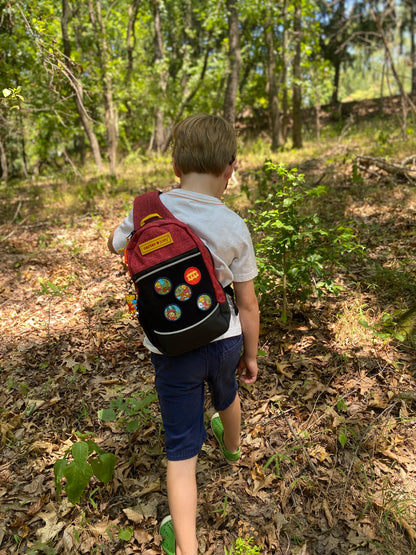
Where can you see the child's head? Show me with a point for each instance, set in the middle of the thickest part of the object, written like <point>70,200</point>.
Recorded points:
<point>204,144</point>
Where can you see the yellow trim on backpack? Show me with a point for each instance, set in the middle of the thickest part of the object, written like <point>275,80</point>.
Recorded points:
<point>149,217</point>
<point>156,243</point>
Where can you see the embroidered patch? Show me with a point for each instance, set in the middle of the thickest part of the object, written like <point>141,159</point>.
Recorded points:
<point>173,312</point>
<point>192,276</point>
<point>132,303</point>
<point>183,292</point>
<point>163,286</point>
<point>204,302</point>
<point>156,243</point>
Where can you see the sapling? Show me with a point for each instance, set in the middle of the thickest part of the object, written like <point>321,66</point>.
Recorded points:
<point>293,248</point>
<point>88,460</point>
<point>133,411</point>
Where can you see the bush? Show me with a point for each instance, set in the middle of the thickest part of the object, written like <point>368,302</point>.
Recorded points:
<point>295,252</point>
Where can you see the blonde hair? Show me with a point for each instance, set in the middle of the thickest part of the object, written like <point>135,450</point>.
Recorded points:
<point>204,144</point>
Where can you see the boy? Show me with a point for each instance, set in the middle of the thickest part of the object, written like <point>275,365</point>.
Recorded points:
<point>204,158</point>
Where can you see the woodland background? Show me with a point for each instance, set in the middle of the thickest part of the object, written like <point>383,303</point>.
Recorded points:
<point>90,91</point>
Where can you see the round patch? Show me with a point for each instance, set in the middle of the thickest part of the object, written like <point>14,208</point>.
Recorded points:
<point>183,292</point>
<point>192,275</point>
<point>172,312</point>
<point>163,286</point>
<point>204,302</point>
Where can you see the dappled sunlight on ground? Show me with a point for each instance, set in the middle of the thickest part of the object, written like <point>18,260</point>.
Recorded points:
<point>328,430</point>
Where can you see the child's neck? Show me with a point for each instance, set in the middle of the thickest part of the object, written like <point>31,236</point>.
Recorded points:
<point>203,183</point>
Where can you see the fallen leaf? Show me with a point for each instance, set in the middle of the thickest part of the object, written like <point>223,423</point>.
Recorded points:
<point>52,525</point>
<point>142,536</point>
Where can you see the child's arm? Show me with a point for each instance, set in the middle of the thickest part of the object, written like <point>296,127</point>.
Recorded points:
<point>118,238</point>
<point>248,308</point>
<point>110,243</point>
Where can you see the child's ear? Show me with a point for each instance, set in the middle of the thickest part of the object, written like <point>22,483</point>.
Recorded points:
<point>229,170</point>
<point>177,171</point>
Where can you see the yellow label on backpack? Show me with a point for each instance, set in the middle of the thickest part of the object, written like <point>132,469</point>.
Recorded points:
<point>156,243</point>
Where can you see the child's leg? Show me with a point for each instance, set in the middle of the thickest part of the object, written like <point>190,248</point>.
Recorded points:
<point>231,421</point>
<point>182,495</point>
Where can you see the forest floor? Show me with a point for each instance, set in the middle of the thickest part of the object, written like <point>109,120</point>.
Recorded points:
<point>329,428</point>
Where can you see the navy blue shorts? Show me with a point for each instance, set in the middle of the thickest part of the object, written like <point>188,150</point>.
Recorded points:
<point>180,387</point>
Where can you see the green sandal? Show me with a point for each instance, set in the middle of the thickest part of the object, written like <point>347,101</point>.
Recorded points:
<point>166,531</point>
<point>218,430</point>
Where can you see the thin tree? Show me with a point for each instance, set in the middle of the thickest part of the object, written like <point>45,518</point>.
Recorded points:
<point>158,138</point>
<point>4,168</point>
<point>273,89</point>
<point>77,87</point>
<point>283,74</point>
<point>412,29</point>
<point>103,56</point>
<point>297,77</point>
<point>406,101</point>
<point>132,11</point>
<point>234,62</point>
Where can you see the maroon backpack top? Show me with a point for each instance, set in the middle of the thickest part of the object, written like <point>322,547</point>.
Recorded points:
<point>181,304</point>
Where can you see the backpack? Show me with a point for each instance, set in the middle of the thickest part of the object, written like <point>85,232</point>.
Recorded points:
<point>180,303</point>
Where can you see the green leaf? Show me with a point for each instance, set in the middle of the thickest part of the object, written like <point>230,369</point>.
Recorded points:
<point>107,415</point>
<point>6,92</point>
<point>78,475</point>
<point>80,451</point>
<point>58,470</point>
<point>133,426</point>
<point>103,467</point>
<point>92,446</point>
<point>126,534</point>
<point>342,438</point>
<point>399,336</point>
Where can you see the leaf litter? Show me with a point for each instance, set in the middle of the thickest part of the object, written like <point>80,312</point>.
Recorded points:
<point>328,429</point>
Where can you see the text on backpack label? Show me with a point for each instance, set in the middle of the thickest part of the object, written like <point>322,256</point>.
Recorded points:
<point>156,243</point>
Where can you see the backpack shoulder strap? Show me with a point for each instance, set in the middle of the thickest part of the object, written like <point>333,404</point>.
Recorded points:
<point>147,204</point>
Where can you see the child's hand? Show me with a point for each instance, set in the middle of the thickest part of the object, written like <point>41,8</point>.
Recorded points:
<point>247,370</point>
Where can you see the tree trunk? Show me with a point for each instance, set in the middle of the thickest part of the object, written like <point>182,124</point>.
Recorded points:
<point>77,87</point>
<point>283,76</point>
<point>4,175</point>
<point>406,101</point>
<point>158,135</point>
<point>337,75</point>
<point>23,143</point>
<point>412,16</point>
<point>133,10</point>
<point>234,61</point>
<point>111,120</point>
<point>273,89</point>
<point>297,76</point>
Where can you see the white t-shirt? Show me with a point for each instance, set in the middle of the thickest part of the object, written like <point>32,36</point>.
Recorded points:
<point>223,232</point>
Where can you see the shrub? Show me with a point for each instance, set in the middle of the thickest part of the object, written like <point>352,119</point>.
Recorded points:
<point>294,250</point>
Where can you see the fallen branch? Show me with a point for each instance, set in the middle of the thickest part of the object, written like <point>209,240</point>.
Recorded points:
<point>409,160</point>
<point>364,162</point>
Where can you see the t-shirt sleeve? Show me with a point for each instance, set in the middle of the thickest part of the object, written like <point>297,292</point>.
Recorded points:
<point>244,266</point>
<point>122,233</point>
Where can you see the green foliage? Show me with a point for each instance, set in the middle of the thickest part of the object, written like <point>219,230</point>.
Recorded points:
<point>224,509</point>
<point>50,289</point>
<point>387,328</point>
<point>189,74</point>
<point>125,534</point>
<point>132,412</point>
<point>277,459</point>
<point>243,547</point>
<point>88,460</point>
<point>294,250</point>
<point>13,97</point>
